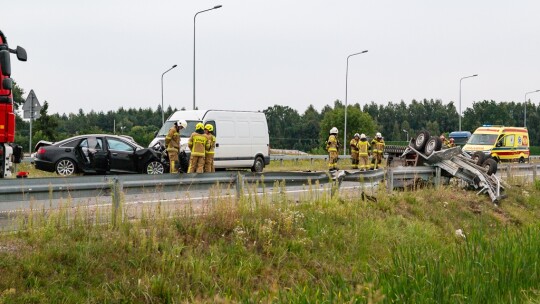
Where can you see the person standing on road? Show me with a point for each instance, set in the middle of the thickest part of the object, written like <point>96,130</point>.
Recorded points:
<point>332,146</point>
<point>198,144</point>
<point>172,144</point>
<point>377,145</point>
<point>363,152</point>
<point>354,150</point>
<point>209,158</point>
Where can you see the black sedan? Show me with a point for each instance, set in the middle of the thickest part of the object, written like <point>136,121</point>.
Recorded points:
<point>98,153</point>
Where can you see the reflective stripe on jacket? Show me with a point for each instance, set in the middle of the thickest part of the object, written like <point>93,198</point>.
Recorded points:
<point>363,147</point>
<point>198,144</point>
<point>331,144</point>
<point>354,145</point>
<point>172,140</point>
<point>212,143</point>
<point>378,146</point>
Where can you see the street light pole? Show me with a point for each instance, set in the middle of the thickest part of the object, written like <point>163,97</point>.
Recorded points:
<point>194,19</point>
<point>460,97</point>
<point>346,87</point>
<point>525,105</point>
<point>406,132</point>
<point>162,110</point>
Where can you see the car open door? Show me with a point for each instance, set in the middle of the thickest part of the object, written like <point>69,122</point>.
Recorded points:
<point>99,154</point>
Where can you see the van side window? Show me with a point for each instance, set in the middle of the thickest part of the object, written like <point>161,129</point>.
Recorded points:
<point>509,140</point>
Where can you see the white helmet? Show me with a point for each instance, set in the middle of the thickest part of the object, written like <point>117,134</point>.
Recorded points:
<point>362,136</point>
<point>334,130</point>
<point>378,135</point>
<point>356,135</point>
<point>182,123</point>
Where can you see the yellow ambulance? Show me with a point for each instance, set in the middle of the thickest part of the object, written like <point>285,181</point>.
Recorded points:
<point>500,142</point>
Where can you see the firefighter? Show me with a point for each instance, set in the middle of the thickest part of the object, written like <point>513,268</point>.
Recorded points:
<point>451,144</point>
<point>363,152</point>
<point>377,146</point>
<point>209,158</point>
<point>332,146</point>
<point>445,141</point>
<point>172,144</point>
<point>198,144</point>
<point>354,150</point>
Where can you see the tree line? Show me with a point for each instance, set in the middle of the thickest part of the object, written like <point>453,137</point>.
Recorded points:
<point>290,129</point>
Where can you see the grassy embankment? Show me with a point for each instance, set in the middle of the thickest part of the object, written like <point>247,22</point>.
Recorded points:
<point>323,249</point>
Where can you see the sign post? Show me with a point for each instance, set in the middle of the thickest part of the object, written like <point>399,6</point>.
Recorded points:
<point>31,110</point>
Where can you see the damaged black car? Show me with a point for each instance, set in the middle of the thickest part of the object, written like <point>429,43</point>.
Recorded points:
<point>98,154</point>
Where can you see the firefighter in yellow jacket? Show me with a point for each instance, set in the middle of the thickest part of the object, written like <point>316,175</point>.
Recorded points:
<point>354,150</point>
<point>363,152</point>
<point>377,145</point>
<point>332,146</point>
<point>198,144</point>
<point>172,144</point>
<point>209,158</point>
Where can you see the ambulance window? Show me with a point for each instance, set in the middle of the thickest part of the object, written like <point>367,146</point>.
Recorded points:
<point>509,140</point>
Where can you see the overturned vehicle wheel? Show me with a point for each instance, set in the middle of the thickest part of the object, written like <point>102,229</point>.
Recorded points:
<point>421,140</point>
<point>490,165</point>
<point>478,157</point>
<point>433,144</point>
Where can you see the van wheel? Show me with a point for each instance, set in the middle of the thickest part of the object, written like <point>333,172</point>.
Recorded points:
<point>491,165</point>
<point>258,165</point>
<point>478,157</point>
<point>421,139</point>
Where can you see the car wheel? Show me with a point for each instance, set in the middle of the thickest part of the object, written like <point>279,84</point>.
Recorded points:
<point>258,165</point>
<point>478,157</point>
<point>522,160</point>
<point>421,139</point>
<point>66,167</point>
<point>491,165</point>
<point>155,167</point>
<point>434,144</point>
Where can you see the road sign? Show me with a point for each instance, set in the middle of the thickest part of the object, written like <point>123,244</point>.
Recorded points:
<point>31,106</point>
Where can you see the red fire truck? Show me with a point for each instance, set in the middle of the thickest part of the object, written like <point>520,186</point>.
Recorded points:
<point>9,152</point>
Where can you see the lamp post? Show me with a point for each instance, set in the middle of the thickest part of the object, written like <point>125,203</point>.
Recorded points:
<point>346,86</point>
<point>406,132</point>
<point>162,110</point>
<point>525,105</point>
<point>460,97</point>
<point>195,18</point>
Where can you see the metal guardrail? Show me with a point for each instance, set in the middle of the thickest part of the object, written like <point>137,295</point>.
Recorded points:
<point>89,186</point>
<point>25,189</point>
<point>312,157</point>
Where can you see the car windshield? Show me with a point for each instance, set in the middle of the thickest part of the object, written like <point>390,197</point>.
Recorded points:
<point>183,133</point>
<point>482,139</point>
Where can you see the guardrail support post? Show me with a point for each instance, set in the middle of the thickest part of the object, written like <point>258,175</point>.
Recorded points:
<point>239,186</point>
<point>117,190</point>
<point>534,169</point>
<point>508,169</point>
<point>390,180</point>
<point>437,177</point>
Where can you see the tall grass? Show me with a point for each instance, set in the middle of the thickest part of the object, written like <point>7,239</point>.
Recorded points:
<point>271,248</point>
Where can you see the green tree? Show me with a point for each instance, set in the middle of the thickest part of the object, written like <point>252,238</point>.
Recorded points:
<point>357,122</point>
<point>46,123</point>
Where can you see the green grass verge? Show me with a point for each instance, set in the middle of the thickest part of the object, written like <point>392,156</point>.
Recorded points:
<point>270,249</point>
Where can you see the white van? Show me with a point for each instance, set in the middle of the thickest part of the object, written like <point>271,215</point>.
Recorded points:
<point>242,139</point>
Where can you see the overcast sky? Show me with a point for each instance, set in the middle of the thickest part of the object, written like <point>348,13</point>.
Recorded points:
<point>101,55</point>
